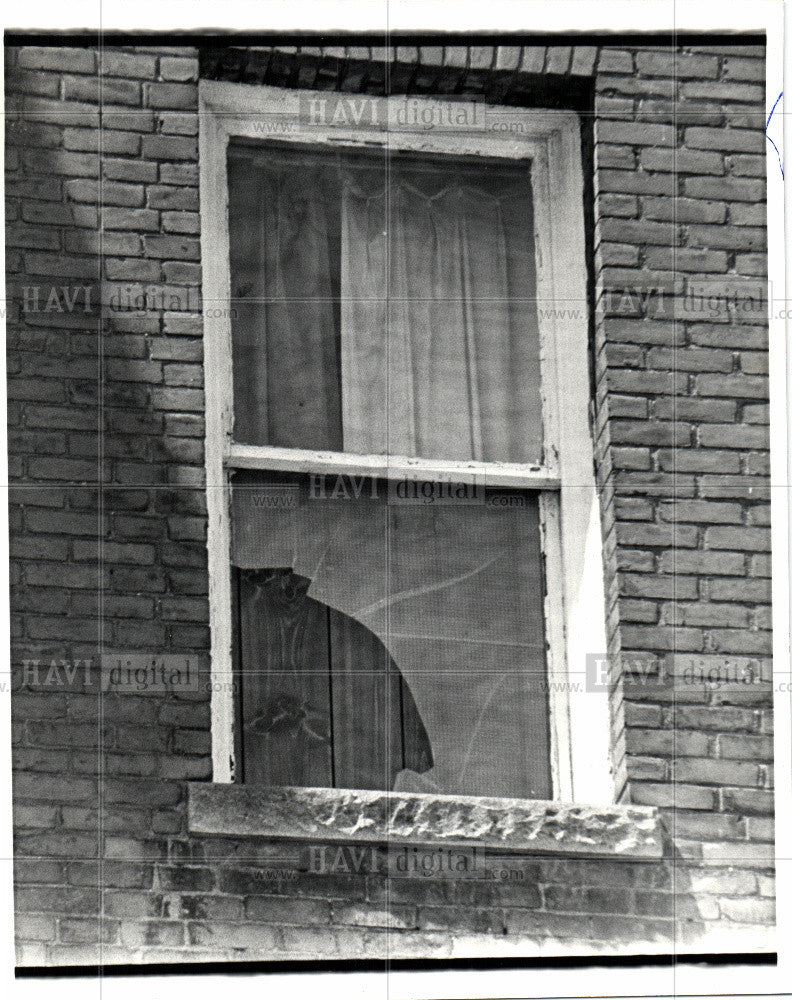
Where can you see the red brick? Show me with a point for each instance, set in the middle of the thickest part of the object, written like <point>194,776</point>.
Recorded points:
<point>618,157</point>
<point>698,460</point>
<point>749,801</point>
<point>152,932</point>
<point>745,386</point>
<point>683,161</point>
<point>735,640</point>
<point>620,205</point>
<point>743,92</point>
<point>633,133</point>
<point>668,743</point>
<point>180,198</point>
<point>683,209</point>
<point>745,747</point>
<point>692,359</point>
<point>96,90</point>
<point>680,114</point>
<point>740,590</point>
<point>181,222</point>
<point>90,141</point>
<point>615,61</point>
<point>742,539</point>
<point>747,165</point>
<point>749,911</point>
<point>731,436</point>
<point>642,715</point>
<point>725,719</point>
<point>135,219</point>
<point>180,70</point>
<point>728,140</point>
<point>677,65</point>
<point>678,587</point>
<point>705,826</point>
<point>622,108</point>
<point>748,215</point>
<point>72,930</point>
<point>708,563</point>
<point>728,237</point>
<point>34,927</point>
<point>179,173</point>
<point>633,182</point>
<point>165,147</point>
<point>736,68</point>
<point>58,58</point>
<point>707,771</point>
<point>662,535</point>
<point>172,247</point>
<point>672,795</point>
<point>127,120</point>
<point>697,511</point>
<point>115,63</point>
<point>128,170</point>
<point>558,57</point>
<point>744,487</point>
<point>58,899</point>
<point>631,231</point>
<point>728,189</point>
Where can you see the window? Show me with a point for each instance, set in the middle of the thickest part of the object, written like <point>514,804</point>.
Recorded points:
<point>404,540</point>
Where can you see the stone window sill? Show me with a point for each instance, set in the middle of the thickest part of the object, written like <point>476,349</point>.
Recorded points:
<point>332,814</point>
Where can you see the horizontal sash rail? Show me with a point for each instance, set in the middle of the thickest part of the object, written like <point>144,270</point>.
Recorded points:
<point>268,457</point>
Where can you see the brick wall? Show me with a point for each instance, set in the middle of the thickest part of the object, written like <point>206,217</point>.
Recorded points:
<point>103,394</point>
<point>681,345</point>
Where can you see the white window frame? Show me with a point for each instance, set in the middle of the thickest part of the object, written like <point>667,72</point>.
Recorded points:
<point>569,509</point>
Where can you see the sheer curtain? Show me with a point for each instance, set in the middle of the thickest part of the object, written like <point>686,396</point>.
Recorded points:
<point>384,307</point>
<point>439,345</point>
<point>284,269</point>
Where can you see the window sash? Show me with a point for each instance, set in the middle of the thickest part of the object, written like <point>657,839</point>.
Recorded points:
<point>496,636</point>
<point>240,111</point>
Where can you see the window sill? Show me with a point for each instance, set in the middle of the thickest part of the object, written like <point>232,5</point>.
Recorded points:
<point>331,814</point>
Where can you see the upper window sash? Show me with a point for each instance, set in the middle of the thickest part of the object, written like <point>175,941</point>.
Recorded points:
<point>232,110</point>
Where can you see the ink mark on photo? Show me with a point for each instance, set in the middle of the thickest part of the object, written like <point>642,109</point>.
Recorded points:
<point>767,126</point>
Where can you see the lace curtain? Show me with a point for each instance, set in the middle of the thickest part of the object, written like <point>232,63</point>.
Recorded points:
<point>386,308</point>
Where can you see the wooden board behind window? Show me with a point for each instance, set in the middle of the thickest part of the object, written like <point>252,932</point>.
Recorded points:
<point>323,703</point>
<point>285,681</point>
<point>367,738</point>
